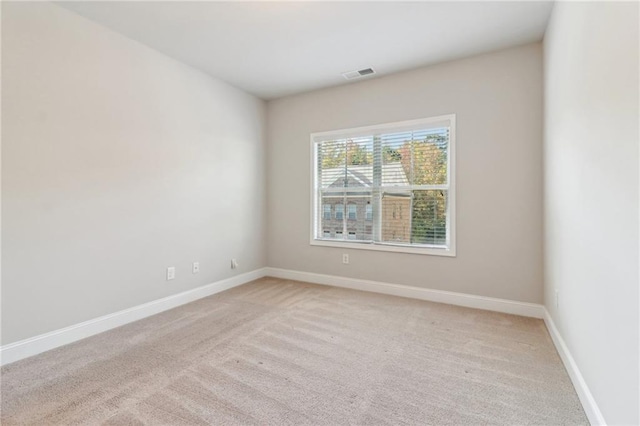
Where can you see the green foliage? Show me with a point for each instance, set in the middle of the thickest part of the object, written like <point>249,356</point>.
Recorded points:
<point>332,155</point>
<point>337,155</point>
<point>358,155</point>
<point>425,163</point>
<point>428,225</point>
<point>390,155</point>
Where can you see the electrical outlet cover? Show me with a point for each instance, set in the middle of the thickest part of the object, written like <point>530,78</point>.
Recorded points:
<point>171,272</point>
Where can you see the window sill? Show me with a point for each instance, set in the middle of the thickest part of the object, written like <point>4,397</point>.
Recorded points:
<point>396,248</point>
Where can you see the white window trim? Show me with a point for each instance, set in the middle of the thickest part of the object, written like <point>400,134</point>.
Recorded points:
<point>390,247</point>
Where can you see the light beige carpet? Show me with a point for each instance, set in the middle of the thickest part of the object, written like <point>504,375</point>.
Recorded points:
<point>283,352</point>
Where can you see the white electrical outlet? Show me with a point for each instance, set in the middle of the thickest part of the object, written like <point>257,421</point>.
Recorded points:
<point>345,259</point>
<point>171,272</point>
<point>234,264</point>
<point>196,267</point>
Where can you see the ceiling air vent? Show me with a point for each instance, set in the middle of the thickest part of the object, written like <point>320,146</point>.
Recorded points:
<point>358,74</point>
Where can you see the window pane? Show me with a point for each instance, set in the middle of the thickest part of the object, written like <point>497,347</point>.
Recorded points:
<point>368,215</point>
<point>396,159</point>
<point>430,157</point>
<point>359,162</point>
<point>331,164</point>
<point>346,163</point>
<point>359,151</point>
<point>326,211</point>
<point>429,220</point>
<point>329,223</point>
<point>396,217</point>
<point>351,219</point>
<point>352,211</point>
<point>356,225</point>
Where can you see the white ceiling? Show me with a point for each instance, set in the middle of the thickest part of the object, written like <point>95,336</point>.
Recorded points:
<point>272,49</point>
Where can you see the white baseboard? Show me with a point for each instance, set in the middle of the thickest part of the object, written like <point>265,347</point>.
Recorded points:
<point>440,296</point>
<point>586,398</point>
<point>44,342</point>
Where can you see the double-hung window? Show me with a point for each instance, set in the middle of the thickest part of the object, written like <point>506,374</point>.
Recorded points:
<point>353,209</point>
<point>326,212</point>
<point>400,175</point>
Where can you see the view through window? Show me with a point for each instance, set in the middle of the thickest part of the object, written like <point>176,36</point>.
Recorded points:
<point>389,185</point>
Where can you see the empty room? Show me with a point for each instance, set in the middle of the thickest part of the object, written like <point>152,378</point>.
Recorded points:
<point>320,213</point>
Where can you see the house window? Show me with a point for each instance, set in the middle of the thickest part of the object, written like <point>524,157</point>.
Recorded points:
<point>403,175</point>
<point>326,234</point>
<point>326,211</point>
<point>352,209</point>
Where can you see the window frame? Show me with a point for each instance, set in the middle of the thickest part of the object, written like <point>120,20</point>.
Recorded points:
<point>418,124</point>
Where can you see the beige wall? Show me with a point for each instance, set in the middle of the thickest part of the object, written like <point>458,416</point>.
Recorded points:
<point>591,196</point>
<point>497,98</point>
<point>117,162</point>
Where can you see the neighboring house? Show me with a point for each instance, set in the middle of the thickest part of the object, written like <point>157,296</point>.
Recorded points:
<point>349,215</point>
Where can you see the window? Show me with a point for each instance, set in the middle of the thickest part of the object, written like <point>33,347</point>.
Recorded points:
<point>401,175</point>
<point>352,211</point>
<point>327,234</point>
<point>326,215</point>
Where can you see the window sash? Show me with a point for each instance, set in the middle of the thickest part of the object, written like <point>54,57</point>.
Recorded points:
<point>385,188</point>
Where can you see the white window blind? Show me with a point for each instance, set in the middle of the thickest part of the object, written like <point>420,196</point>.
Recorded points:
<point>396,181</point>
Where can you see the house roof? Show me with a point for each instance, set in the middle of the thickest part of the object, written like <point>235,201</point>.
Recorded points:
<point>362,176</point>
